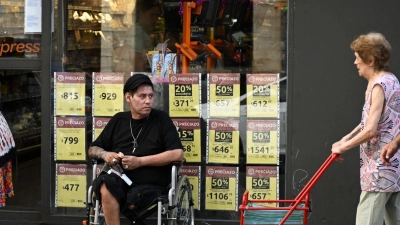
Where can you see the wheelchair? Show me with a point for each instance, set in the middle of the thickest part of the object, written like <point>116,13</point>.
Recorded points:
<point>177,206</point>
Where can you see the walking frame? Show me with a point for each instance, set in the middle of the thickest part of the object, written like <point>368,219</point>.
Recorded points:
<point>253,212</point>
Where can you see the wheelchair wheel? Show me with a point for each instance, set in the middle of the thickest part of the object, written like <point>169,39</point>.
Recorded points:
<point>182,214</point>
<point>96,218</point>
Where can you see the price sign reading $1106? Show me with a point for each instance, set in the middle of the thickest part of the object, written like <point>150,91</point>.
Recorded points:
<point>224,95</point>
<point>223,141</point>
<point>71,185</point>
<point>108,93</point>
<point>262,95</point>
<point>221,188</point>
<point>70,138</point>
<point>184,97</point>
<point>189,133</point>
<point>262,141</point>
<point>70,94</point>
<point>261,183</point>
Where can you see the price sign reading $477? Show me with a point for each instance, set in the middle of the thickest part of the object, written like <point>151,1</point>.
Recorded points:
<point>70,185</point>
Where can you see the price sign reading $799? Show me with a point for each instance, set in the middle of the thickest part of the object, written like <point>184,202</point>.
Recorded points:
<point>70,185</point>
<point>184,97</point>
<point>224,95</point>
<point>221,188</point>
<point>108,93</point>
<point>70,138</point>
<point>69,94</point>
<point>262,95</point>
<point>223,141</point>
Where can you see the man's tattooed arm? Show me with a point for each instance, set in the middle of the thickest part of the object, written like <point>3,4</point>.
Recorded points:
<point>97,153</point>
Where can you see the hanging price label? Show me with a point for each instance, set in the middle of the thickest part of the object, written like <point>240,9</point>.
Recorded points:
<point>262,142</point>
<point>221,188</point>
<point>98,125</point>
<point>190,135</point>
<point>184,97</point>
<point>108,93</point>
<point>70,185</point>
<point>223,141</point>
<point>70,138</point>
<point>263,95</point>
<point>194,174</point>
<point>261,181</point>
<point>224,95</point>
<point>69,94</point>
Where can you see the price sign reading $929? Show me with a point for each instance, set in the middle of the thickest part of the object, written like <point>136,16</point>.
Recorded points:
<point>107,94</point>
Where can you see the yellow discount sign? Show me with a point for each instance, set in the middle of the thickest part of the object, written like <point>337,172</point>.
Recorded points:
<point>223,141</point>
<point>224,95</point>
<point>184,97</point>
<point>70,185</point>
<point>98,125</point>
<point>70,138</point>
<point>108,93</point>
<point>69,94</point>
<point>221,188</point>
<point>189,133</point>
<point>263,95</point>
<point>194,174</point>
<point>262,142</point>
<point>261,181</point>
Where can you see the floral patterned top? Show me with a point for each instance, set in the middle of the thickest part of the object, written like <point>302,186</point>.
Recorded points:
<point>374,176</point>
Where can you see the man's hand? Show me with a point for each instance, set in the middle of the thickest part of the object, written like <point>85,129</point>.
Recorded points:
<point>388,151</point>
<point>130,162</point>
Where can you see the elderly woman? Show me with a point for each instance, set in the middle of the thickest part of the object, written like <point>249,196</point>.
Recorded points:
<point>380,199</point>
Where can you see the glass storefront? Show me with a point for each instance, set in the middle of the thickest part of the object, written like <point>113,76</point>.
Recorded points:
<point>241,40</point>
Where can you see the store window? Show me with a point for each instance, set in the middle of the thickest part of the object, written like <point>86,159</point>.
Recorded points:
<point>243,41</point>
<point>20,29</point>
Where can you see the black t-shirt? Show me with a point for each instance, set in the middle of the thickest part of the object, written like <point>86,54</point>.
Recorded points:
<point>158,134</point>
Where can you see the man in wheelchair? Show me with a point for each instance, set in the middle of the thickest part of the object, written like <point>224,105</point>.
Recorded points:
<point>139,145</point>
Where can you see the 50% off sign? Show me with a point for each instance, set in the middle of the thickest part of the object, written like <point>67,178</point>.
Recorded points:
<point>221,188</point>
<point>224,95</point>
<point>223,141</point>
<point>261,181</point>
<point>262,141</point>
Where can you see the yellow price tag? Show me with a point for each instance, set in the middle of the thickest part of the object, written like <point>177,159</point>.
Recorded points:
<point>98,125</point>
<point>71,185</point>
<point>263,95</point>
<point>189,133</point>
<point>193,174</point>
<point>224,95</point>
<point>221,188</point>
<point>262,142</point>
<point>70,138</point>
<point>223,141</point>
<point>184,97</point>
<point>261,181</point>
<point>108,93</point>
<point>69,94</point>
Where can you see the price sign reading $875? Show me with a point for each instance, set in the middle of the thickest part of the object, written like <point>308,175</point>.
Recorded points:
<point>70,138</point>
<point>221,188</point>
<point>223,141</point>
<point>184,97</point>
<point>69,94</point>
<point>108,93</point>
<point>70,185</point>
